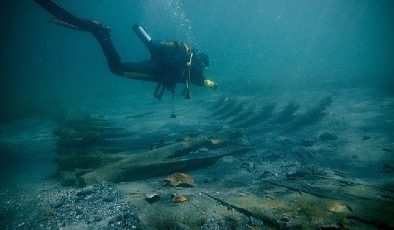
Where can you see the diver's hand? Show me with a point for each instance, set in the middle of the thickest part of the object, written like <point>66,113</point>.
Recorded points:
<point>209,84</point>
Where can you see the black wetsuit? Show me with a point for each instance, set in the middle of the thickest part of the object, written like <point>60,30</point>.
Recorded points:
<point>168,63</point>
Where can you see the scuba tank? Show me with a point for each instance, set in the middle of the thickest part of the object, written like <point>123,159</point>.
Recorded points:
<point>142,35</point>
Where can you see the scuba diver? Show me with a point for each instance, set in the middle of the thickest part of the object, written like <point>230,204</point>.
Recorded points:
<point>171,62</point>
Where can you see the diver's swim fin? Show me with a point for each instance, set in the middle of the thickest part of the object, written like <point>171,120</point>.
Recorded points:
<point>67,19</point>
<point>64,24</point>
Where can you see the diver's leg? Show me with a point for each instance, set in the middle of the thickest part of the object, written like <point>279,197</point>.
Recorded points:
<point>101,33</point>
<point>113,58</point>
<point>65,18</point>
<point>148,67</point>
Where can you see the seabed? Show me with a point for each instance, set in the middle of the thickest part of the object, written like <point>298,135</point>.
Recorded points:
<point>253,163</point>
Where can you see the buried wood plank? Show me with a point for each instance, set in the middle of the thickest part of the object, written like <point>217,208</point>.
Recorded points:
<point>151,160</point>
<point>313,115</point>
<point>248,112</point>
<point>264,114</point>
<point>227,106</point>
<point>287,113</point>
<point>289,211</point>
<point>264,218</point>
<point>236,109</point>
<point>218,103</point>
<point>353,201</point>
<point>130,170</point>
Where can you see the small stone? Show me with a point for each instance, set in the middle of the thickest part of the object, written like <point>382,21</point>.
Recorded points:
<point>58,203</point>
<point>255,222</point>
<point>98,217</point>
<point>90,219</point>
<point>265,174</point>
<point>179,180</point>
<point>284,219</point>
<point>153,197</point>
<point>78,211</point>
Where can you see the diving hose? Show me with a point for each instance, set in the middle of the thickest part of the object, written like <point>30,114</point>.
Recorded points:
<point>187,94</point>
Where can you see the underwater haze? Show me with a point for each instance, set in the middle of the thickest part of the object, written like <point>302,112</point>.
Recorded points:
<point>252,45</point>
<point>302,119</point>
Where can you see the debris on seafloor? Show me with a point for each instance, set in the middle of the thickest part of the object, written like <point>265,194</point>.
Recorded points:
<point>86,156</point>
<point>313,115</point>
<point>179,180</point>
<point>158,144</point>
<point>287,114</point>
<point>326,136</point>
<point>338,207</point>
<point>152,197</point>
<point>387,150</point>
<point>178,198</point>
<point>387,168</point>
<point>307,142</point>
<point>264,114</point>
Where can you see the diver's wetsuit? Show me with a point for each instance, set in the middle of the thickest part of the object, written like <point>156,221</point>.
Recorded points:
<point>169,59</point>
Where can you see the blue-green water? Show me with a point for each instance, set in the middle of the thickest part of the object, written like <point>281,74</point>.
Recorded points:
<point>261,50</point>
<point>252,46</point>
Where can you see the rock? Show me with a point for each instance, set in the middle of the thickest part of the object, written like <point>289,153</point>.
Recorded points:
<point>284,219</point>
<point>178,198</point>
<point>86,191</point>
<point>108,198</point>
<point>386,168</point>
<point>248,166</point>
<point>265,174</point>
<point>59,203</point>
<point>255,222</point>
<point>328,137</point>
<point>67,178</point>
<point>153,197</point>
<point>179,180</point>
<point>307,142</point>
<point>98,217</point>
<point>387,150</point>
<point>78,211</point>
<point>300,173</point>
<point>337,207</point>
